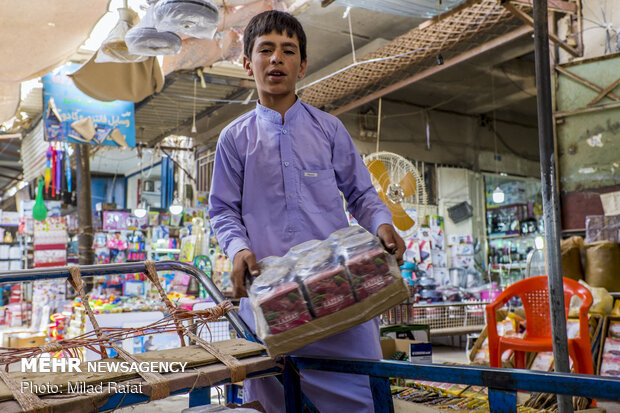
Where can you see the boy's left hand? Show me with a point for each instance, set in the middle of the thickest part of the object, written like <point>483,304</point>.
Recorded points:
<point>392,241</point>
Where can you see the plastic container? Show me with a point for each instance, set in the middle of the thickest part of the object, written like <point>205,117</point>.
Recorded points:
<point>325,281</point>
<point>369,266</point>
<point>278,301</point>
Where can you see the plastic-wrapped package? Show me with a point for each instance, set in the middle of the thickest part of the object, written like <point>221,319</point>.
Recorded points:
<point>278,301</point>
<point>369,266</point>
<point>300,249</point>
<point>145,40</point>
<point>114,48</point>
<point>196,18</point>
<point>346,232</point>
<point>325,280</point>
<point>602,228</point>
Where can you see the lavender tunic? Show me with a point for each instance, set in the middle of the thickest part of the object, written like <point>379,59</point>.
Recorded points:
<point>276,185</point>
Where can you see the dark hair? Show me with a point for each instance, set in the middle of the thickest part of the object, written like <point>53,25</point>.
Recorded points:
<point>269,21</point>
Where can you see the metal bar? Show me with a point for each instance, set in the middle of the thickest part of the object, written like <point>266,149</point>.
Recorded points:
<point>605,92</point>
<point>381,394</point>
<point>566,113</point>
<point>597,387</point>
<point>501,401</point>
<point>132,267</point>
<point>200,396</point>
<point>463,57</point>
<point>551,197</point>
<point>292,387</point>
<point>525,18</point>
<point>589,84</point>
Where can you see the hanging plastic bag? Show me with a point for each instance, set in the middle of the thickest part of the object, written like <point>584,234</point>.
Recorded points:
<point>196,18</point>
<point>114,48</point>
<point>144,39</point>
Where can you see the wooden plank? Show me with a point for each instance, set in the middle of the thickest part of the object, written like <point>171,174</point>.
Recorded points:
<point>585,82</point>
<point>193,355</point>
<point>527,19</point>
<point>463,57</point>
<point>256,366</point>
<point>553,5</point>
<point>605,92</point>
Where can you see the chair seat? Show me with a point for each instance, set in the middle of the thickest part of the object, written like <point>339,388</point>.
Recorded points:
<point>532,344</point>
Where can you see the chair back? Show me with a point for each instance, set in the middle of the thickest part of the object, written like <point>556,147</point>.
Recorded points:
<point>534,293</point>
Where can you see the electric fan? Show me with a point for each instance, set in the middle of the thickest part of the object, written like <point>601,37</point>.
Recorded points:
<point>400,187</point>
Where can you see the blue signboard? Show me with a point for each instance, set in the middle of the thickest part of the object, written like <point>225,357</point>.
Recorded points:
<point>69,115</point>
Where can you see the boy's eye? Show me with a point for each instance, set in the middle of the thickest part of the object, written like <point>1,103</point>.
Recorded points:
<point>289,52</point>
<point>264,51</point>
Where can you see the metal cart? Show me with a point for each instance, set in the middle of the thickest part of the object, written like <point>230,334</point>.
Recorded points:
<point>502,383</point>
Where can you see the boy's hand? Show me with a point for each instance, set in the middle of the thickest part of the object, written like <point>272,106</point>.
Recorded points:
<point>244,261</point>
<point>392,241</point>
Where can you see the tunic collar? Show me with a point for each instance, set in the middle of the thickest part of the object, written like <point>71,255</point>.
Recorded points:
<point>273,116</point>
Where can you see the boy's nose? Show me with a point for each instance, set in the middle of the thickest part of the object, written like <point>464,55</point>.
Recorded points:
<point>276,57</point>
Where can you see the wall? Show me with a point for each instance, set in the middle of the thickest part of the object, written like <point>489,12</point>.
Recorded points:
<point>456,140</point>
<point>597,16</point>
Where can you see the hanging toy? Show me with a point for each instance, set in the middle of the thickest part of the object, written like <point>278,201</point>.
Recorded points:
<point>59,155</point>
<point>39,211</point>
<point>68,167</point>
<point>48,168</point>
<point>53,172</point>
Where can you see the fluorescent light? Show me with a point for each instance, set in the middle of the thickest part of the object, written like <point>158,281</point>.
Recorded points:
<point>498,195</point>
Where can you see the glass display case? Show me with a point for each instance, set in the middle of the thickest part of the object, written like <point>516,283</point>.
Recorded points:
<point>514,225</point>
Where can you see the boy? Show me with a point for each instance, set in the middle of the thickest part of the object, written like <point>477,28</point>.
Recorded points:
<point>276,181</point>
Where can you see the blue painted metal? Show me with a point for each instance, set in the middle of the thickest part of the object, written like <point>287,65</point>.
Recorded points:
<point>381,394</point>
<point>501,401</point>
<point>508,380</point>
<point>292,387</point>
<point>234,393</point>
<point>200,396</point>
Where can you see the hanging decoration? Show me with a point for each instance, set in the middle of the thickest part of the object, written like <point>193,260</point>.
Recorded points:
<point>39,211</point>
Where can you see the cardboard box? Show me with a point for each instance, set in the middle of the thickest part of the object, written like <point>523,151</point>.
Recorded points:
<point>21,339</point>
<point>325,326</point>
<point>417,351</point>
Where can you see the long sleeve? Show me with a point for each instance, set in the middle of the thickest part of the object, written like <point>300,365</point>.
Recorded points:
<point>225,198</point>
<point>354,182</point>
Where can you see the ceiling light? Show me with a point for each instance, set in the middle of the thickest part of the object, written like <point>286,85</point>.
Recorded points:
<point>498,195</point>
<point>176,207</point>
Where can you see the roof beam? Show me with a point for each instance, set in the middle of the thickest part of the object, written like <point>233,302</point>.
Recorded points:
<point>463,57</point>
<point>527,19</point>
<point>554,5</point>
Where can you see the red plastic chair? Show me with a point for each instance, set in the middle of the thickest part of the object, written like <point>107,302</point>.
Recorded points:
<point>534,293</point>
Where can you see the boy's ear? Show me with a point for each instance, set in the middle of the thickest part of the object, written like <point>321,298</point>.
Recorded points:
<point>302,69</point>
<point>247,66</point>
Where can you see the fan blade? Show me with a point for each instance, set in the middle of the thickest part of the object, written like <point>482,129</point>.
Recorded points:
<point>378,170</point>
<point>401,220</point>
<point>409,184</point>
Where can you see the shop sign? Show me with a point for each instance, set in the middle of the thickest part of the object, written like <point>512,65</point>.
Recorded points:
<point>71,116</point>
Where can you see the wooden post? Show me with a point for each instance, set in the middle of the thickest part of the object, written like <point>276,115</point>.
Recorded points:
<point>85,212</point>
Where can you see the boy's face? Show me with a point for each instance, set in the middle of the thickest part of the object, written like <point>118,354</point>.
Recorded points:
<point>275,63</point>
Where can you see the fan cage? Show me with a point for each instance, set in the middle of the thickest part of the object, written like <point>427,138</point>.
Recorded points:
<point>397,167</point>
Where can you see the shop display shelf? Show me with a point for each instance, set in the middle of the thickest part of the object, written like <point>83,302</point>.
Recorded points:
<point>443,319</point>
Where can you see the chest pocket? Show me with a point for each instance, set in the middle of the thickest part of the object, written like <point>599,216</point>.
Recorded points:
<point>319,191</point>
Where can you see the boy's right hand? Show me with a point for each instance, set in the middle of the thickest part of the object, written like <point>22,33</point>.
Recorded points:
<point>244,261</point>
